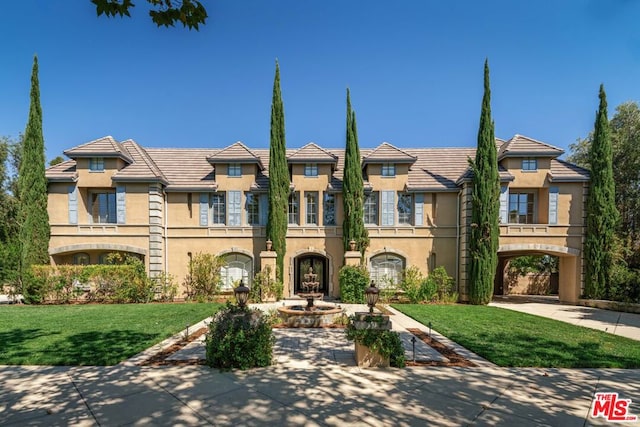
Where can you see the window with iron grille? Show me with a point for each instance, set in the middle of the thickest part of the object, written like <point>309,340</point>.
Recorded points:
<point>329,209</point>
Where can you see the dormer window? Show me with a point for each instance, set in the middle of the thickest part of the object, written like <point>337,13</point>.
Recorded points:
<point>388,169</point>
<point>96,164</point>
<point>529,164</point>
<point>311,169</point>
<point>234,169</point>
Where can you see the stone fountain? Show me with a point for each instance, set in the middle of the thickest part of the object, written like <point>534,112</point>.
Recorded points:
<point>311,315</point>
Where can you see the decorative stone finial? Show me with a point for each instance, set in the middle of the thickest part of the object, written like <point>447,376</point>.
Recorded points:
<point>352,245</point>
<point>269,245</point>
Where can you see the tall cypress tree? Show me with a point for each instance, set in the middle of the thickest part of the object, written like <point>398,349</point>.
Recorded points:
<point>352,188</point>
<point>602,214</point>
<point>32,188</point>
<point>278,179</point>
<point>485,206</point>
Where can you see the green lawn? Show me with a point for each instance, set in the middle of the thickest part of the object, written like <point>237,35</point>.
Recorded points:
<point>89,334</point>
<point>509,338</point>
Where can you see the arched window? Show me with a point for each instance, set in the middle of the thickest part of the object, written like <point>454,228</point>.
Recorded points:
<point>103,258</point>
<point>81,258</point>
<point>238,267</point>
<point>386,270</point>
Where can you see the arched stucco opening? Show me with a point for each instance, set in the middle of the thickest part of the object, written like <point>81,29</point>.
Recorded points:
<point>92,253</point>
<point>569,267</point>
<point>317,259</point>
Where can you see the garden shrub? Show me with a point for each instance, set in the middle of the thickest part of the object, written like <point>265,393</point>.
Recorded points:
<point>239,338</point>
<point>203,282</point>
<point>437,287</point>
<point>624,284</point>
<point>386,343</point>
<point>125,283</point>
<point>164,287</point>
<point>353,281</point>
<point>444,285</point>
<point>263,287</point>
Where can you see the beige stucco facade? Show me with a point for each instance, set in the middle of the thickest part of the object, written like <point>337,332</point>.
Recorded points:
<point>167,205</point>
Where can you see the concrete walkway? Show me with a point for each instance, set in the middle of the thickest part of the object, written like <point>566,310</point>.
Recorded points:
<point>613,322</point>
<point>309,386</point>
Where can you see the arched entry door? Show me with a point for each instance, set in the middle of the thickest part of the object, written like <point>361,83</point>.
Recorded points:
<point>320,267</point>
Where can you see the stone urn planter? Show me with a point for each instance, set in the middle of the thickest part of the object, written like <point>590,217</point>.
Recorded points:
<point>367,357</point>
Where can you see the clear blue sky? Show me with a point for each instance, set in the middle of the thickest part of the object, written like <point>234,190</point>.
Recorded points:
<point>414,68</point>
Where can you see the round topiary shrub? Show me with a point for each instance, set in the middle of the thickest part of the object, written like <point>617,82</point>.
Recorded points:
<point>239,338</point>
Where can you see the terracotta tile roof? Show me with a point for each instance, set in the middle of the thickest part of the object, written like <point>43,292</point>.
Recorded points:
<point>185,169</point>
<point>386,152</point>
<point>312,153</point>
<point>262,179</point>
<point>62,172</point>
<point>438,168</point>
<point>101,147</point>
<point>143,167</point>
<point>235,153</point>
<point>562,171</point>
<point>188,169</point>
<point>520,146</point>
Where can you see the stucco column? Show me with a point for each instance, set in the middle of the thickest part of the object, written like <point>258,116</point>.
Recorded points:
<point>569,285</point>
<point>352,257</point>
<point>268,259</point>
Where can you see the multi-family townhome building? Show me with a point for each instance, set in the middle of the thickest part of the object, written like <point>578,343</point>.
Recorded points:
<point>166,205</point>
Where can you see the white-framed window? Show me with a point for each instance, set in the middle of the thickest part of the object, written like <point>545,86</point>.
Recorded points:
<point>294,208</point>
<point>386,270</point>
<point>521,208</point>
<point>102,205</point>
<point>218,208</point>
<point>329,209</point>
<point>96,164</point>
<point>371,208</point>
<point>388,207</point>
<point>529,164</point>
<point>311,207</point>
<point>234,169</point>
<point>405,209</point>
<point>311,169</point>
<point>388,169</point>
<point>252,205</point>
<point>235,208</point>
<point>238,267</point>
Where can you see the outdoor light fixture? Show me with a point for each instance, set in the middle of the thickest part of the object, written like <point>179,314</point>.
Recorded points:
<point>372,293</point>
<point>241,293</point>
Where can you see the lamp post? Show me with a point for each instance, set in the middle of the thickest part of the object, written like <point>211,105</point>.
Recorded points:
<point>241,293</point>
<point>372,293</point>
